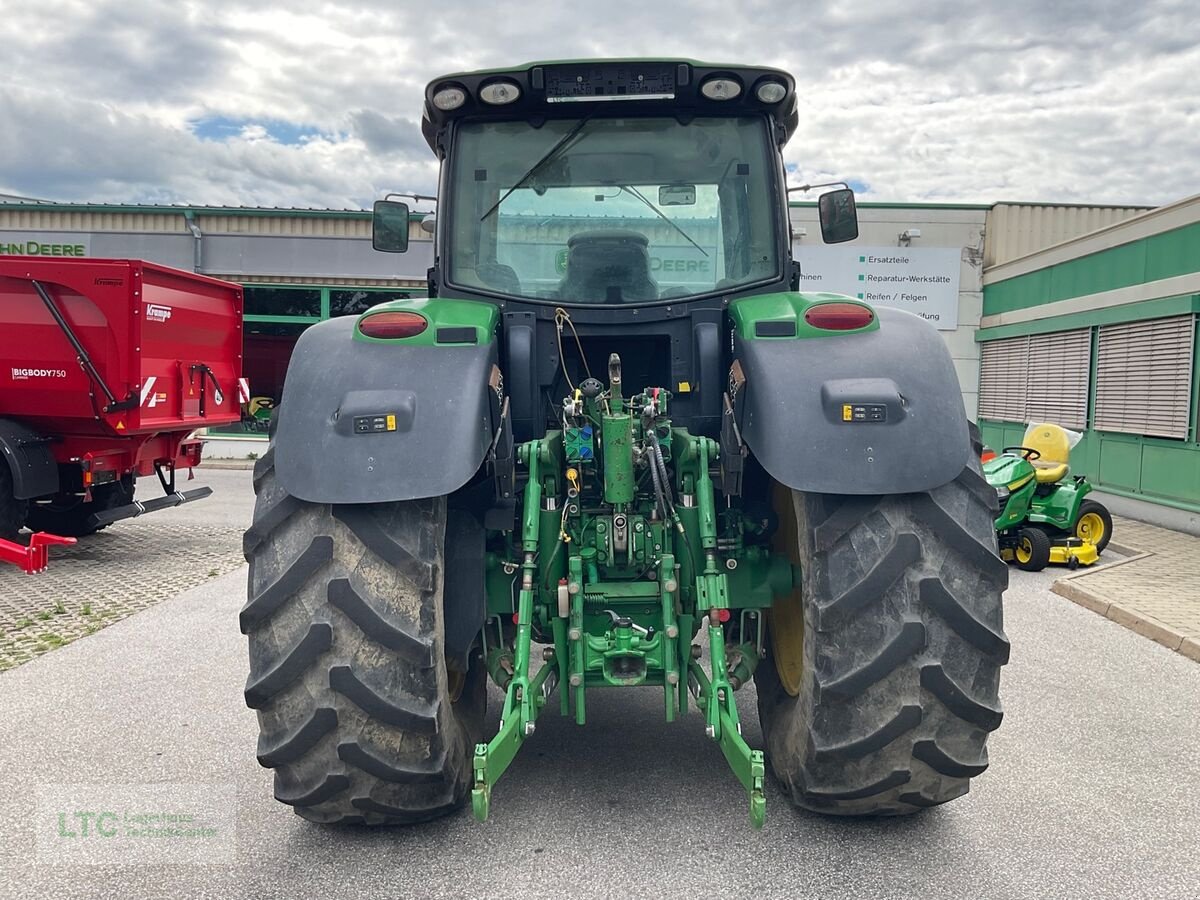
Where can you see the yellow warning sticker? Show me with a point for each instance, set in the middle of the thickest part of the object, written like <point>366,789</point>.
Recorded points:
<point>391,422</point>
<point>120,426</point>
<point>847,412</point>
<point>685,387</point>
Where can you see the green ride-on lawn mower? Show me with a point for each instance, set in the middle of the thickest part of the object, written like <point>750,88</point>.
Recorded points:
<point>1044,517</point>
<point>616,447</point>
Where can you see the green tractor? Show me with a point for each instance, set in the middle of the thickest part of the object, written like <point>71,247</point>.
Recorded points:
<point>616,447</point>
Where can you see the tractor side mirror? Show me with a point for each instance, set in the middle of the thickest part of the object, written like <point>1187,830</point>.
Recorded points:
<point>839,216</point>
<point>389,226</point>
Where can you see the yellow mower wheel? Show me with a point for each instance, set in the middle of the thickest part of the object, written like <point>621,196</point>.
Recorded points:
<point>1032,552</point>
<point>1094,525</point>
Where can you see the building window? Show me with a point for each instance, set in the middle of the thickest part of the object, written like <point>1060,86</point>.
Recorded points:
<point>1003,379</point>
<point>1059,373</point>
<point>1037,378</point>
<point>354,301</point>
<point>283,301</point>
<point>1144,377</point>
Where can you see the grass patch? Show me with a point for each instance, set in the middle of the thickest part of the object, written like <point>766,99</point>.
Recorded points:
<point>23,623</point>
<point>59,609</point>
<point>42,616</point>
<point>52,639</point>
<point>86,609</point>
<point>213,573</point>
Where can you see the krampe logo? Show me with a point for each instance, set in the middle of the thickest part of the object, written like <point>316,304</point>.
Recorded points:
<point>156,313</point>
<point>21,374</point>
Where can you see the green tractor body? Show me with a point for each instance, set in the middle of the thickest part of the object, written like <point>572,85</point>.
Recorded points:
<point>616,447</point>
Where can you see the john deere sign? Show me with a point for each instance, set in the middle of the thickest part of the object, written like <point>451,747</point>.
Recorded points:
<point>17,244</point>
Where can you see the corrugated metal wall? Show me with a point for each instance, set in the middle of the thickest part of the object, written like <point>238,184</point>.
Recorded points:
<point>90,220</point>
<point>308,226</point>
<point>1017,229</point>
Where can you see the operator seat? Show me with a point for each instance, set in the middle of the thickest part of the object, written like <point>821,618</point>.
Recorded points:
<point>1054,445</point>
<point>610,266</point>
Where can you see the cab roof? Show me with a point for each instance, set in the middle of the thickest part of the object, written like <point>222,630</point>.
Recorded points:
<point>605,87</point>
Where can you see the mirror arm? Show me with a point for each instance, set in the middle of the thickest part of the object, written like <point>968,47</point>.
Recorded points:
<point>808,187</point>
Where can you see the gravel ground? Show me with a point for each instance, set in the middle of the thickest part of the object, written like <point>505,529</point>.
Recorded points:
<point>1092,791</point>
<point>124,568</point>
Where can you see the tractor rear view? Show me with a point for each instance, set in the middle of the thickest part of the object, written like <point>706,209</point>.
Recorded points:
<point>615,447</point>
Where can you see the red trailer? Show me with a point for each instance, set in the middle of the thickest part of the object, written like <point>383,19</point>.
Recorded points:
<point>107,367</point>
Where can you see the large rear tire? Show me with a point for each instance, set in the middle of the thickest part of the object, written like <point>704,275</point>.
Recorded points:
<point>900,643</point>
<point>358,714</point>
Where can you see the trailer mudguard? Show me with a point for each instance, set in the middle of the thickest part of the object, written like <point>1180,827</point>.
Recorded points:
<point>34,471</point>
<point>876,411</point>
<point>381,421</point>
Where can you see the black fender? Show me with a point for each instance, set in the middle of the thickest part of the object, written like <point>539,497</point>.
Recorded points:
<point>440,398</point>
<point>876,412</point>
<point>34,471</point>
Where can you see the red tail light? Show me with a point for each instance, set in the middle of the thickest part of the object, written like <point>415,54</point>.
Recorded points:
<point>839,316</point>
<point>392,325</point>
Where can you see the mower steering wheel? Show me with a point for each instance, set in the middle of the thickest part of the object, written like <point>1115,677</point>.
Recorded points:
<point>1028,452</point>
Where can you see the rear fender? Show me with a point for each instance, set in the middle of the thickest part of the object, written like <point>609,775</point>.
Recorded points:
<point>364,421</point>
<point>875,411</point>
<point>34,471</point>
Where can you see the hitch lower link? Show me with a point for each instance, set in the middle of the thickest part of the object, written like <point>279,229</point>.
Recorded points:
<point>526,697</point>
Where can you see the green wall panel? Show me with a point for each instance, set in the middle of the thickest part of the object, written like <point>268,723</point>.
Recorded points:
<point>1171,472</point>
<point>1175,252</point>
<point>1120,463</point>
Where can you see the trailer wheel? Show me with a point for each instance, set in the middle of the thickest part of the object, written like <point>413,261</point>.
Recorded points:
<point>881,681</point>
<point>359,715</point>
<point>68,515</point>
<point>12,511</point>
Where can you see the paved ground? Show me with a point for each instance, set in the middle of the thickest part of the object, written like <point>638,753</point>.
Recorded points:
<point>1092,791</point>
<point>1155,592</point>
<point>124,568</point>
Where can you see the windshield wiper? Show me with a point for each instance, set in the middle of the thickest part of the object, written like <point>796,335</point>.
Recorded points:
<point>550,154</point>
<point>632,190</point>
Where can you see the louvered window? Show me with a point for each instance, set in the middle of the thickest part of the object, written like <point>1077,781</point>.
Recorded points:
<point>1059,373</point>
<point>1002,379</point>
<point>1144,377</point>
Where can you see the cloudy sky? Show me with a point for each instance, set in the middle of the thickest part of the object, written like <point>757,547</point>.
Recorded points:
<point>310,103</point>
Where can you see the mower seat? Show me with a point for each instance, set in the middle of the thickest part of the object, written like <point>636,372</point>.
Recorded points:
<point>1052,442</point>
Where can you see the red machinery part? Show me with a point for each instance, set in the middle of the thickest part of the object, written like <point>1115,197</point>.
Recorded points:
<point>36,557</point>
<point>117,362</point>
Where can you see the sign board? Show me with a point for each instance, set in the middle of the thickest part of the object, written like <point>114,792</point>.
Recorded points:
<point>921,280</point>
<point>17,243</point>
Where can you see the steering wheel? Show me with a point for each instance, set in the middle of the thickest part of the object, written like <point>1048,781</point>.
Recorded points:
<point>1028,452</point>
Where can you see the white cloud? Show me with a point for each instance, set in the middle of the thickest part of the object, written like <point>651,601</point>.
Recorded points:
<point>1072,101</point>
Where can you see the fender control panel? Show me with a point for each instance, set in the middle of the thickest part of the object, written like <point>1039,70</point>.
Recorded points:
<point>864,412</point>
<point>375,424</point>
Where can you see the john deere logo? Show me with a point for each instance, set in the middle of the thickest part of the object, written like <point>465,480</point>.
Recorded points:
<point>657,264</point>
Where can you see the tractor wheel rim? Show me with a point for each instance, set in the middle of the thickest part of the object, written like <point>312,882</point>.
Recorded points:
<point>1024,550</point>
<point>785,619</point>
<point>1090,528</point>
<point>456,681</point>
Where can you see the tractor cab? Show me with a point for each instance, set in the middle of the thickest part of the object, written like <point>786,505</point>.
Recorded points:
<point>641,197</point>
